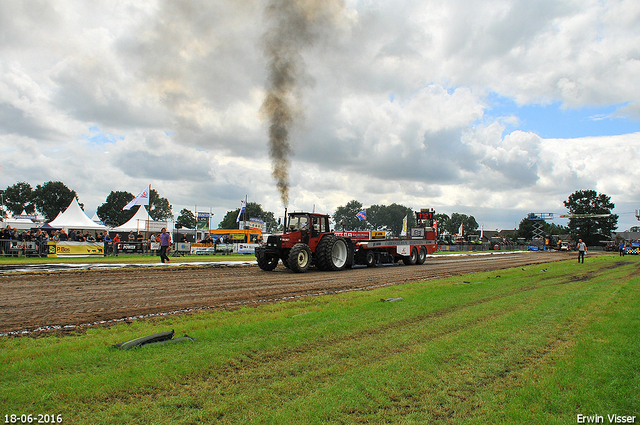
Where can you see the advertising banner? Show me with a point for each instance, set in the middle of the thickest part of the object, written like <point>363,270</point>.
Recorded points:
<point>203,250</point>
<point>27,248</point>
<point>77,249</point>
<point>130,247</point>
<point>418,232</point>
<point>353,235</point>
<point>247,248</point>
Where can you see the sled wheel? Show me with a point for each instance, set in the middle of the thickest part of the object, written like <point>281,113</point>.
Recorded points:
<point>370,259</point>
<point>422,255</point>
<point>411,259</point>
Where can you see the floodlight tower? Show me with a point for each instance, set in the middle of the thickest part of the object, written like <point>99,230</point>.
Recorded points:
<point>638,214</point>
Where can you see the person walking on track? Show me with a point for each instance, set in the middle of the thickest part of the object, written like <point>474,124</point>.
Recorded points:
<point>165,243</point>
<point>582,249</point>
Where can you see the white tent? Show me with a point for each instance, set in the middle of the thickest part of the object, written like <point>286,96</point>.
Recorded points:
<point>18,223</point>
<point>74,218</point>
<point>139,223</point>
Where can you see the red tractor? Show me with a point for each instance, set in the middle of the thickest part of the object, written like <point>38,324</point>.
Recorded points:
<point>306,240</point>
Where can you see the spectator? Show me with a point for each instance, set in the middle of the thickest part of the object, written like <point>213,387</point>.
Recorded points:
<point>72,236</point>
<point>165,243</point>
<point>582,249</point>
<point>107,243</point>
<point>116,241</point>
<point>131,236</point>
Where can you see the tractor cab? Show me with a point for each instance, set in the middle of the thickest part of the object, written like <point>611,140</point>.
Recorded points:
<point>305,228</point>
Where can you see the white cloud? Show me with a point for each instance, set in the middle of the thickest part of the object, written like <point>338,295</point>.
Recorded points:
<point>117,96</point>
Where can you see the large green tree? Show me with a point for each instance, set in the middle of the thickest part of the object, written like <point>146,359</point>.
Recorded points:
<point>393,218</point>
<point>345,217</point>
<point>442,220</point>
<point>159,207</point>
<point>469,224</point>
<point>19,197</point>
<point>186,219</point>
<point>52,197</point>
<point>379,217</point>
<point>592,230</point>
<point>111,211</point>
<point>253,210</point>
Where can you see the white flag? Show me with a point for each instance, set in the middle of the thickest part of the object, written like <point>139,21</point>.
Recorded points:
<point>243,208</point>
<point>460,230</point>
<point>141,199</point>
<point>404,226</point>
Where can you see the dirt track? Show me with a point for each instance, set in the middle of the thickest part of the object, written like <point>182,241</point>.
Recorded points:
<point>84,298</point>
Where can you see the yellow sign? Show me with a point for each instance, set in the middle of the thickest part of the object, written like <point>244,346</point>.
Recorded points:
<point>378,235</point>
<point>77,249</point>
<point>51,246</point>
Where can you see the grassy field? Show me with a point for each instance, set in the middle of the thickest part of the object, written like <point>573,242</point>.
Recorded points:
<point>534,345</point>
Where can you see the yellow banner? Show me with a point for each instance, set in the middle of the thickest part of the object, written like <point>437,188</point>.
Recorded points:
<point>378,235</point>
<point>77,249</point>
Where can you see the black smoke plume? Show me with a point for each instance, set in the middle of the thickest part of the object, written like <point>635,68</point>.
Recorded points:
<point>292,26</point>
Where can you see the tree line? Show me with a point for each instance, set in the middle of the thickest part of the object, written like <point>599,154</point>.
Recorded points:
<point>592,219</point>
<point>52,197</point>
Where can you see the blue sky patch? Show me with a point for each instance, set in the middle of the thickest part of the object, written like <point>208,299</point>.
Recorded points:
<point>98,137</point>
<point>552,121</point>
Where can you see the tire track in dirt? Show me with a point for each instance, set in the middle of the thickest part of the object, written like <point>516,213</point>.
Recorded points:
<point>42,300</point>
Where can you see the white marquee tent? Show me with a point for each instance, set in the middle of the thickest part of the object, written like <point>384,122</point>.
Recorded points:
<point>139,222</point>
<point>18,223</point>
<point>74,218</point>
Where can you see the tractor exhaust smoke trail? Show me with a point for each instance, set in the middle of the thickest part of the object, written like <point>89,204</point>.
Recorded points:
<point>292,25</point>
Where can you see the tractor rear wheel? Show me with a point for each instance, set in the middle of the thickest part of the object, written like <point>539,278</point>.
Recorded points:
<point>332,253</point>
<point>299,258</point>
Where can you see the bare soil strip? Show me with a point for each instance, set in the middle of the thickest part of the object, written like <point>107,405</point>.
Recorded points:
<point>76,299</point>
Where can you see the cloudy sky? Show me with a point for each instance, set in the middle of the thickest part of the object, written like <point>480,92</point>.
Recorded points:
<point>489,108</point>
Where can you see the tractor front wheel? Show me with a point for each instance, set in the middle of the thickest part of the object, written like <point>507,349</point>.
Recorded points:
<point>267,263</point>
<point>299,258</point>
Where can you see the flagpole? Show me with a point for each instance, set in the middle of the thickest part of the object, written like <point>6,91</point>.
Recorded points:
<point>244,215</point>
<point>148,209</point>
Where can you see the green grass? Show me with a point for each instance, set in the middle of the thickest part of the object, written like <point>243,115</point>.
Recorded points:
<point>511,346</point>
